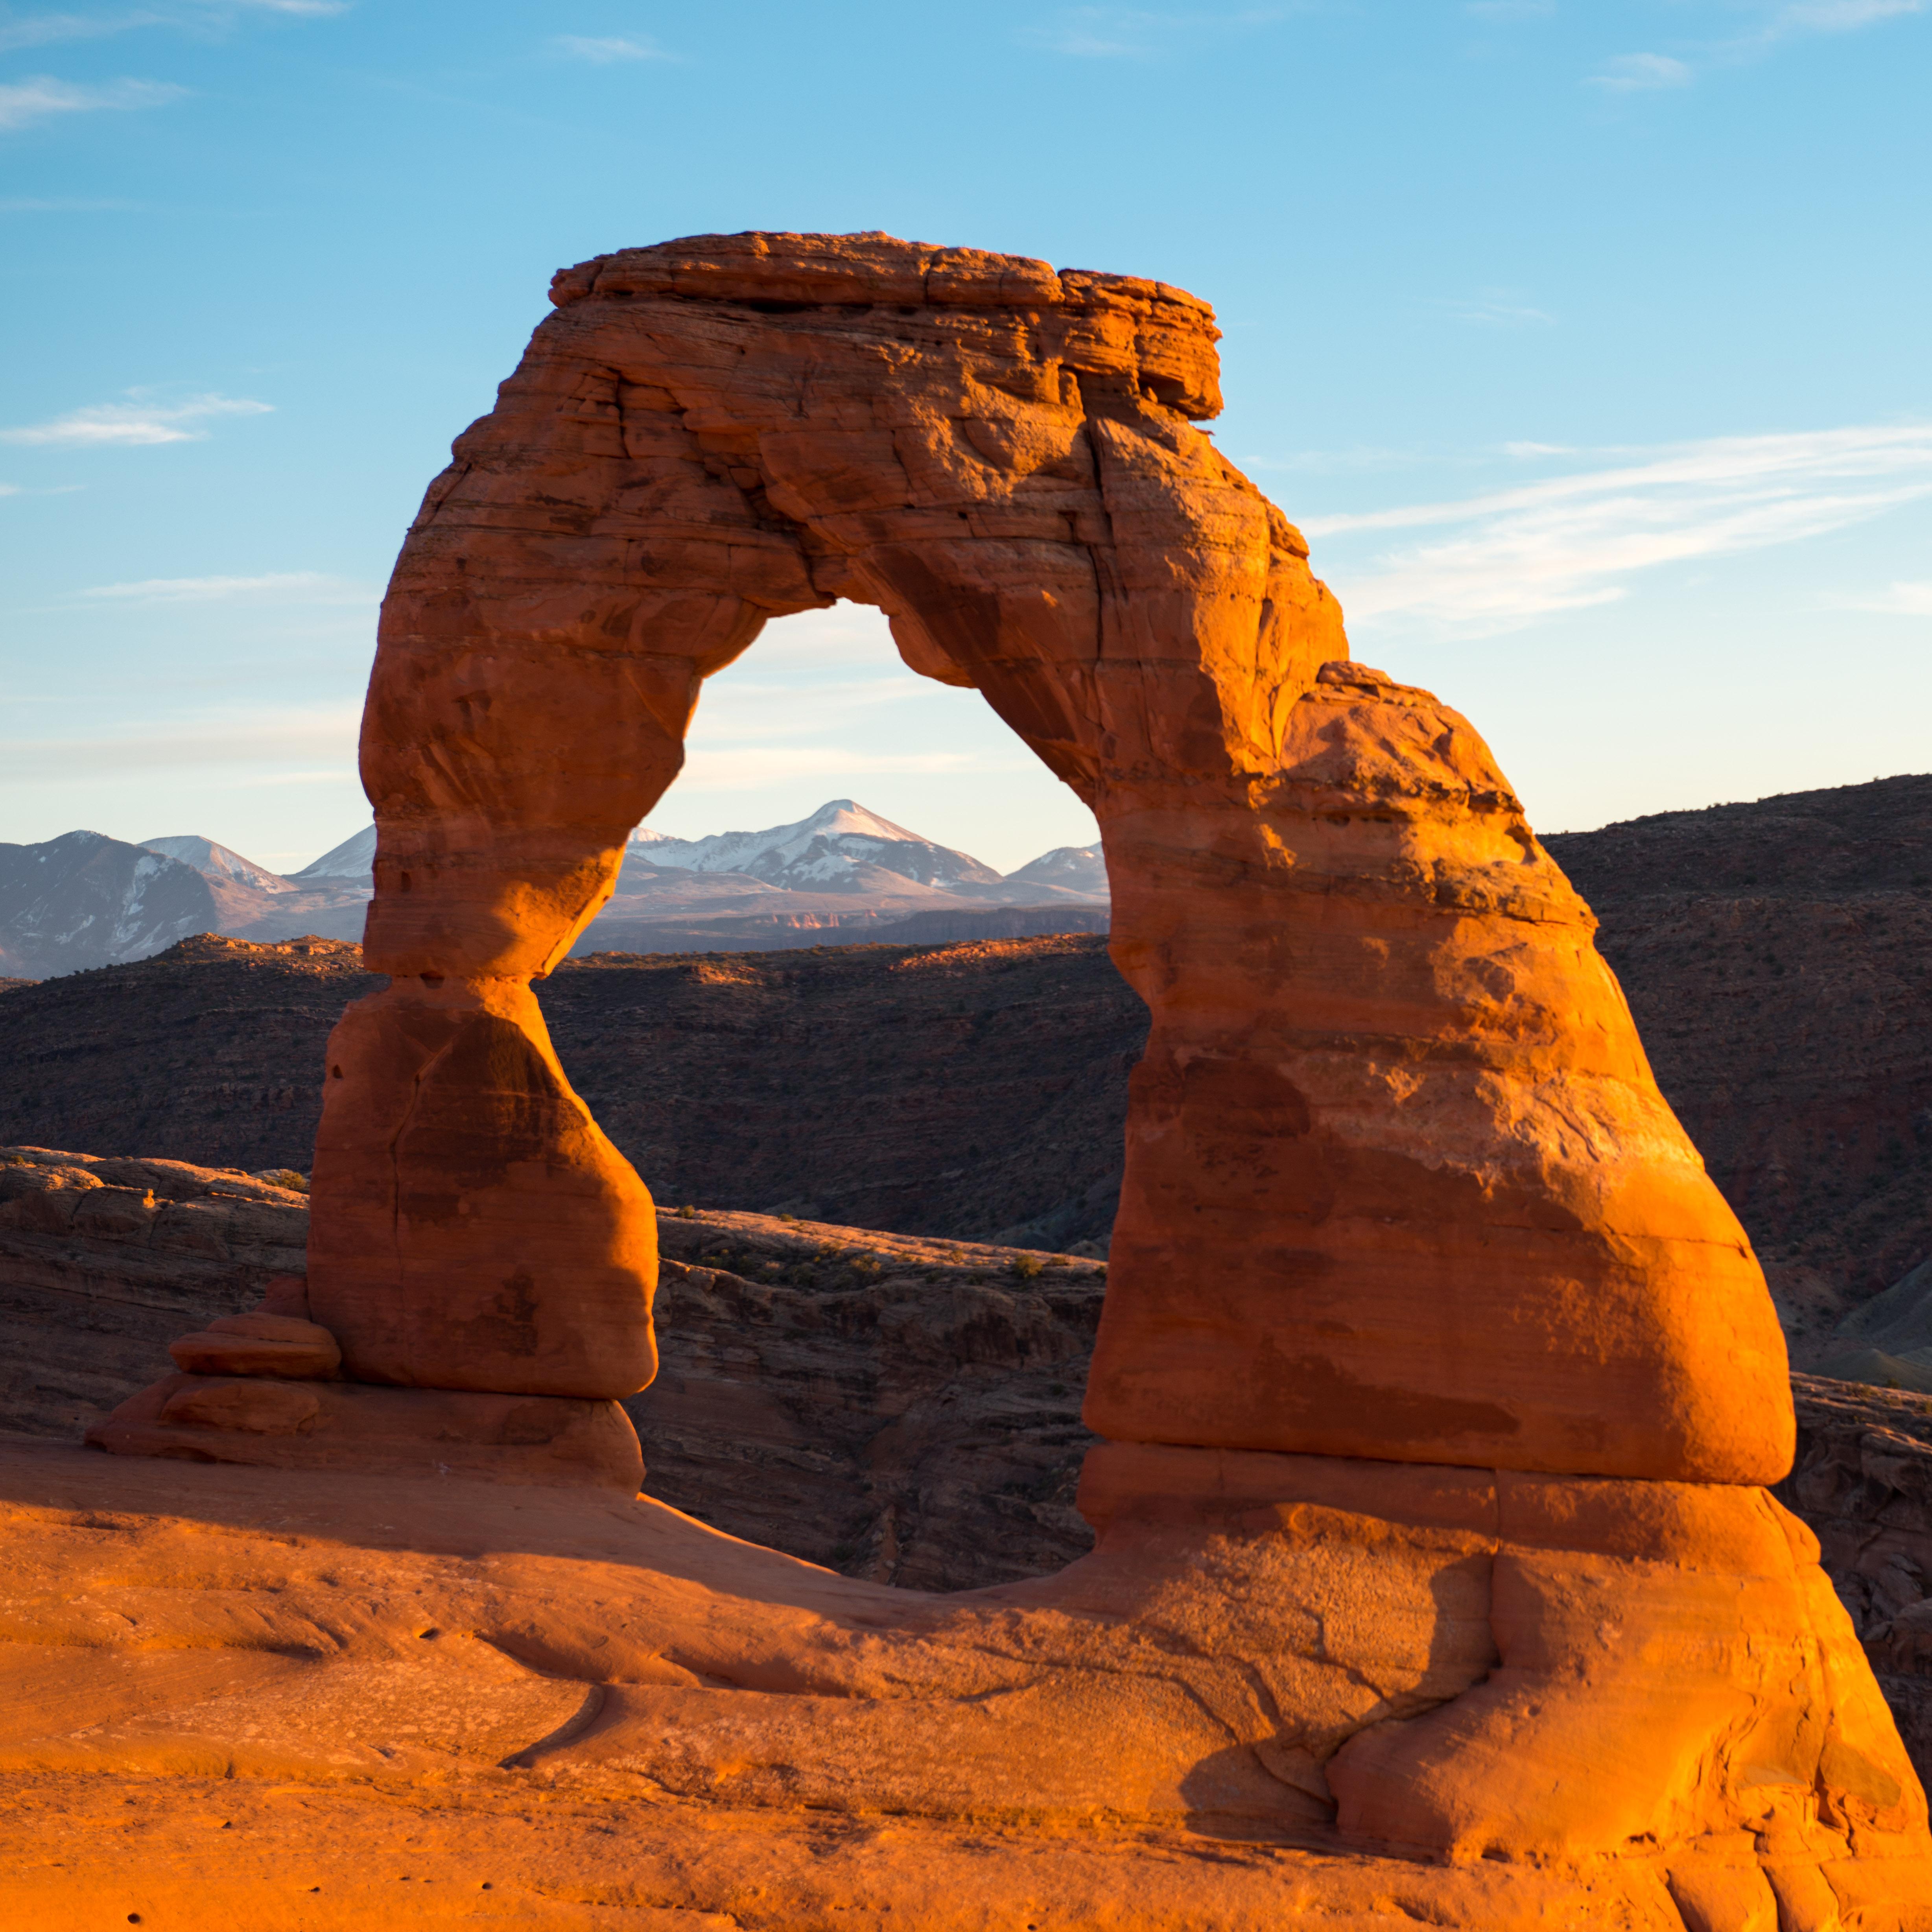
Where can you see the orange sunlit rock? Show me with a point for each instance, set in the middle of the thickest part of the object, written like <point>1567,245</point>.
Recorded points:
<point>1439,1381</point>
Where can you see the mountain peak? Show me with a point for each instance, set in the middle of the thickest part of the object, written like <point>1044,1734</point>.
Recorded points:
<point>209,858</point>
<point>841,846</point>
<point>354,858</point>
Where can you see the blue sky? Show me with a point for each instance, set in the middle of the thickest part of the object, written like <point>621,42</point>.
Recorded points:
<point>1588,343</point>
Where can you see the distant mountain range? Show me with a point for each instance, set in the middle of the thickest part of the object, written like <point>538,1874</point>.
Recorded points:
<point>841,847</point>
<point>83,900</point>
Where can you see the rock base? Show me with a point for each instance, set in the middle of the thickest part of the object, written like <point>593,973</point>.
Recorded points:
<point>359,1428</point>
<point>1611,1664</point>
<point>354,1704</point>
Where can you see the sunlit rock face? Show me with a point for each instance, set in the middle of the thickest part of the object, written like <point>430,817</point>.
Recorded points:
<point>1439,1381</point>
<point>1399,1181</point>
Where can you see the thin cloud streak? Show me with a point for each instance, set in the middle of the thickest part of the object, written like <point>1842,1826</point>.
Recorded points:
<point>735,768</point>
<point>1900,600</point>
<point>321,588</point>
<point>603,52</point>
<point>1496,308</point>
<point>40,96</point>
<point>132,424</point>
<point>48,29</point>
<point>1640,73</point>
<point>1832,17</point>
<point>1567,543</point>
<point>812,708</point>
<point>43,30</point>
<point>1648,73</point>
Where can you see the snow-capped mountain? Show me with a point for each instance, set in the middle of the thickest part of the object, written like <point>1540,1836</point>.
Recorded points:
<point>839,848</point>
<point>1078,868</point>
<point>212,860</point>
<point>843,875</point>
<point>354,858</point>
<point>84,900</point>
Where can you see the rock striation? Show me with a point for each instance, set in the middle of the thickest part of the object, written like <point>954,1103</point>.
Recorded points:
<point>1787,1023</point>
<point>104,1262</point>
<point>1863,1481</point>
<point>1440,1385</point>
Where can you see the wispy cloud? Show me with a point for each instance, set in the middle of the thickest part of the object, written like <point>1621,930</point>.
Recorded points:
<point>1491,308</point>
<point>1362,456</point>
<point>1097,33</point>
<point>734,768</point>
<point>1570,541</point>
<point>43,30</point>
<point>1832,17</point>
<point>264,738</point>
<point>315,585</point>
<point>1775,22</point>
<point>1641,73</point>
<point>137,421</point>
<point>196,17</point>
<point>41,96</point>
<point>610,49</point>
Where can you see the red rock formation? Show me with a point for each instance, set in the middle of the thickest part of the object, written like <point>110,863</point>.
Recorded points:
<point>1399,1181</point>
<point>1438,1374</point>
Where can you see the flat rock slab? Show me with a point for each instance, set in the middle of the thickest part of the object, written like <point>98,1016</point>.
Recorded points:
<point>296,1698</point>
<point>405,1433</point>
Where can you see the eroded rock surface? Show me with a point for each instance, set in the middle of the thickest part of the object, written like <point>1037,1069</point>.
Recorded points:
<point>1863,1481</point>
<point>901,1409</point>
<point>1778,957</point>
<point>103,1262</point>
<point>907,1410</point>
<point>1441,1382</point>
<point>1393,1130</point>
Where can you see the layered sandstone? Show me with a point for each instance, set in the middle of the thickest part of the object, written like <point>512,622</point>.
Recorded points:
<point>103,1262</point>
<point>1394,1153</point>
<point>1440,1382</point>
<point>1778,957</point>
<point>349,1701</point>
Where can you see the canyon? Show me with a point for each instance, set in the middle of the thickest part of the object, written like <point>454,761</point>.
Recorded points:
<point>1774,955</point>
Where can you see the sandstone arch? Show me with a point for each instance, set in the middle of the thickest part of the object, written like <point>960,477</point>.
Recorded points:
<point>1437,1377</point>
<point>1398,1184</point>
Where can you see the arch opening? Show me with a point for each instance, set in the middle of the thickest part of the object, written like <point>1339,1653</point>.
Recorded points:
<point>1323,889</point>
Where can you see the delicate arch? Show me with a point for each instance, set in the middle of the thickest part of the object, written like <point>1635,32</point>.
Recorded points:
<point>1398,1182</point>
